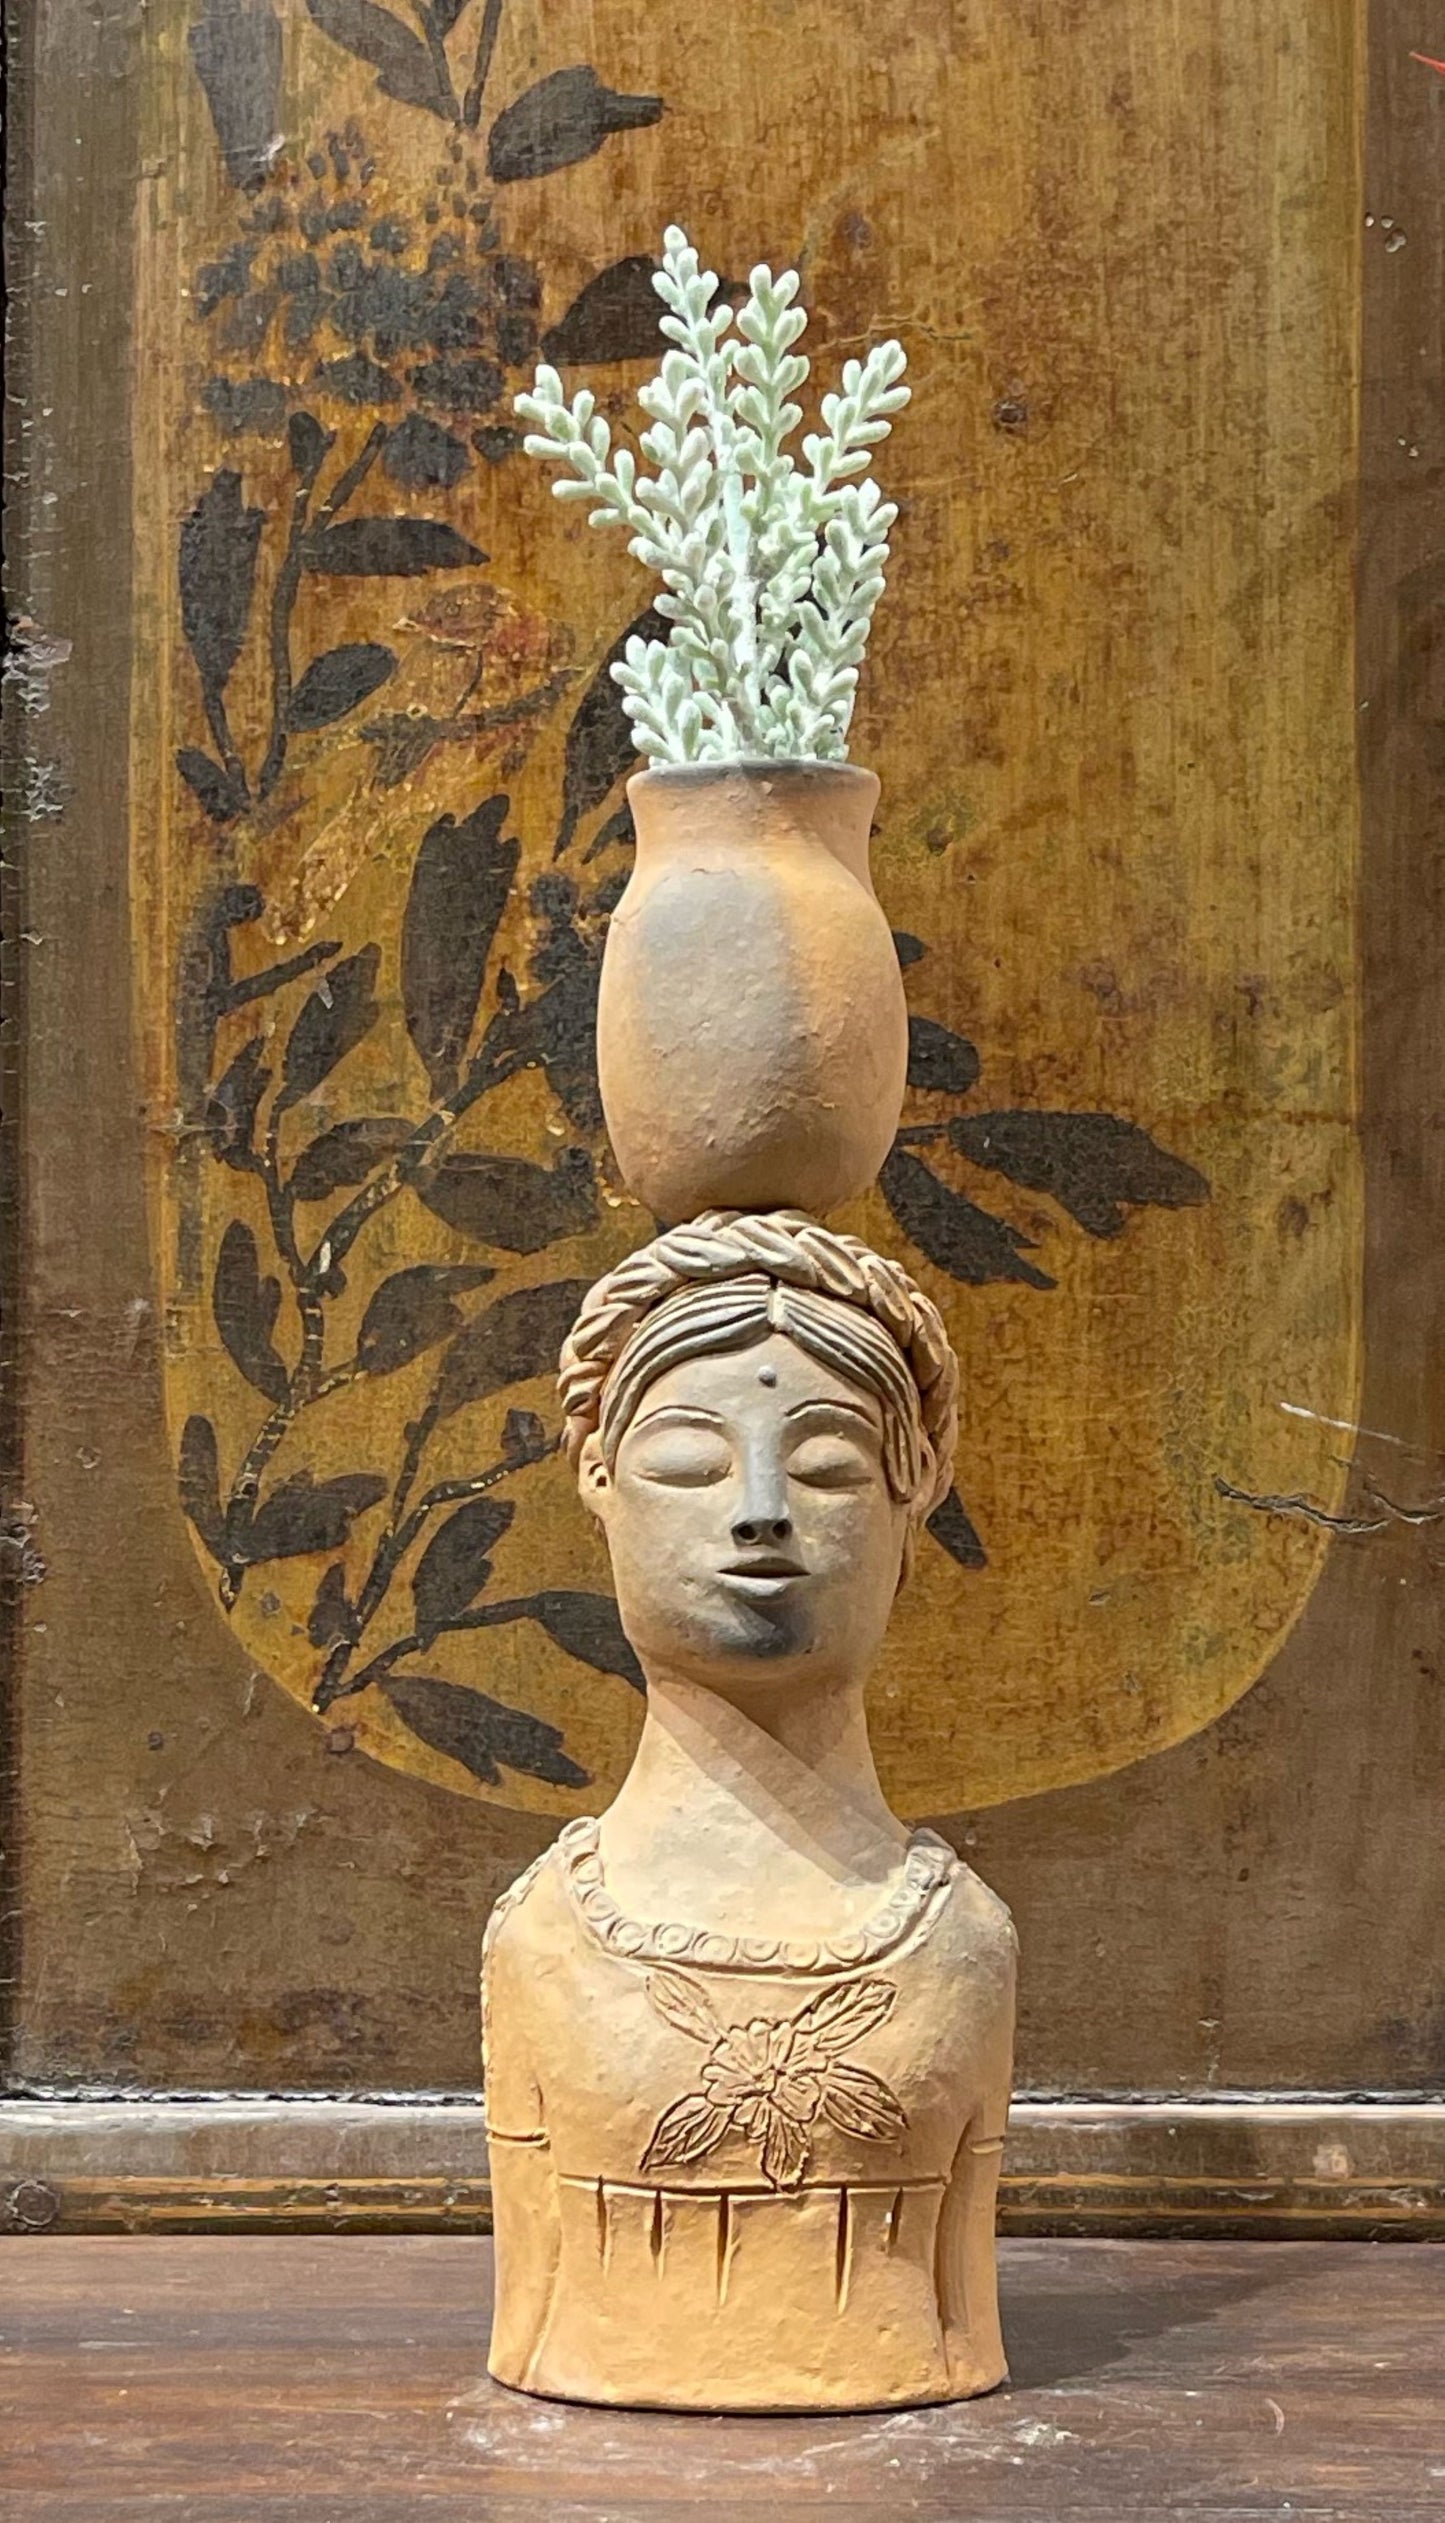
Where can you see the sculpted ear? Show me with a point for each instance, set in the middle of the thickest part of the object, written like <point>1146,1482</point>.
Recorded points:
<point>594,1481</point>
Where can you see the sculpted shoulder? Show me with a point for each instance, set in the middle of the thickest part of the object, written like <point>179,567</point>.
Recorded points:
<point>525,1911</point>
<point>979,1928</point>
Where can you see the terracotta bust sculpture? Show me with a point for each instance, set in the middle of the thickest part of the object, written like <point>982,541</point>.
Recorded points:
<point>748,2041</point>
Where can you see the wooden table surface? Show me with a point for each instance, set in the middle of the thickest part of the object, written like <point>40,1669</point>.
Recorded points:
<point>340,2380</point>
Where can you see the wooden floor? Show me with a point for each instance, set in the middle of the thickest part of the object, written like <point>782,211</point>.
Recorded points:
<point>292,2380</point>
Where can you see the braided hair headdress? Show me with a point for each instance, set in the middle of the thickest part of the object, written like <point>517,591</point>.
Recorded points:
<point>728,1278</point>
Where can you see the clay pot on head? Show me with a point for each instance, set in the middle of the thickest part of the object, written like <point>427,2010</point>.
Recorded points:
<point>752,1035</point>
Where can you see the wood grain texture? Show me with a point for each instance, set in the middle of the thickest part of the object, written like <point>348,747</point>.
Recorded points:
<point>247,2382</point>
<point>1109,704</point>
<point>1247,2168</point>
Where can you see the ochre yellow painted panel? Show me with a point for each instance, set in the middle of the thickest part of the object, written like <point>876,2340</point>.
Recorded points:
<point>1109,701</point>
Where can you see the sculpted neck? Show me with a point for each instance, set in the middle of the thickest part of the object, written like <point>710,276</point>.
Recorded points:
<point>763,1816</point>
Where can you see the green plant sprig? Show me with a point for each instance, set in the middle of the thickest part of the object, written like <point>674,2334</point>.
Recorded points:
<point>771,570</point>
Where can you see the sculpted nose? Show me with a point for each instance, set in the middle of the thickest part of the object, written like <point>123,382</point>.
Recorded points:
<point>757,1528</point>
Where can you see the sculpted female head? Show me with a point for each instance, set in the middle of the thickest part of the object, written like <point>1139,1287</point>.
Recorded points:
<point>761,1413</point>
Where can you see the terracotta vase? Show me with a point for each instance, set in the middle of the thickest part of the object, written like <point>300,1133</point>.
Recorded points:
<point>752,1035</point>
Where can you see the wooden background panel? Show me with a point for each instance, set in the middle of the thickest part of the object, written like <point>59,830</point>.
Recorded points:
<point>1109,705</point>
<point>216,1891</point>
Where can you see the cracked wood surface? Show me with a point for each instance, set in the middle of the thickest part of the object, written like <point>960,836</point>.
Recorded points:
<point>295,2381</point>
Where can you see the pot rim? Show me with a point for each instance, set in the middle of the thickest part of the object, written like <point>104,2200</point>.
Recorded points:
<point>758,768</point>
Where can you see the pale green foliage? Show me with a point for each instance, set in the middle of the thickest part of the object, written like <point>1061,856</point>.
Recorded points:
<point>770,568</point>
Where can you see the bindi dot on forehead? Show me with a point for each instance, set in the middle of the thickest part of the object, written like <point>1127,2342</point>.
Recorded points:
<point>767,1375</point>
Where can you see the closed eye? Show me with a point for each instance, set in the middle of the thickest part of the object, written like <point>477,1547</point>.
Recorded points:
<point>681,1458</point>
<point>830,1462</point>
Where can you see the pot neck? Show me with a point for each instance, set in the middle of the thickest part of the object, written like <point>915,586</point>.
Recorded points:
<point>828,805</point>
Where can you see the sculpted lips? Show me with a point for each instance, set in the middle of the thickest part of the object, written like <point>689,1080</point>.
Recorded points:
<point>763,1572</point>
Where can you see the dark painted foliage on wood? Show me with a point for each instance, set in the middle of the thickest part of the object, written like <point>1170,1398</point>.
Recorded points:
<point>950,1231</point>
<point>413,1310</point>
<point>480,1733</point>
<point>614,317</point>
<point>390,547</point>
<point>1094,1164</point>
<point>420,337</point>
<point>564,118</point>
<point>511,1204</point>
<point>599,741</point>
<point>509,1342</point>
<point>337,683</point>
<point>456,1564</point>
<point>237,48</point>
<point>459,888</point>
<point>220,541</point>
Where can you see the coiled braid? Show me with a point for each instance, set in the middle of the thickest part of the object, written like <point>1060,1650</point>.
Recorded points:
<point>721,1283</point>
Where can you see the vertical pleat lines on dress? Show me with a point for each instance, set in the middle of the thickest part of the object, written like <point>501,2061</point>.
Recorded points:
<point>843,2251</point>
<point>895,2220</point>
<point>724,2245</point>
<point>656,2240</point>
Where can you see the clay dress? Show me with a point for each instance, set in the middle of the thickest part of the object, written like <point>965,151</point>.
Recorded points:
<point>731,2173</point>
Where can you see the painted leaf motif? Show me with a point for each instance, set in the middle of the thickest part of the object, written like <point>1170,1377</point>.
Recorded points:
<point>200,1482</point>
<point>479,1732</point>
<point>510,1203</point>
<point>508,1343</point>
<point>940,1061</point>
<point>421,455</point>
<point>614,317</point>
<point>563,119</point>
<point>333,1020</point>
<point>952,1526</point>
<point>785,2149</point>
<point>459,384</point>
<point>413,1310</point>
<point>682,2002</point>
<point>459,887</point>
<point>331,1617</point>
<point>245,1306</point>
<point>600,743</point>
<point>230,1119</point>
<point>308,443</point>
<point>1094,1164</point>
<point>400,59</point>
<point>689,2129</point>
<point>861,2105</point>
<point>305,1515</point>
<point>969,1243</point>
<point>207,781</point>
<point>337,682</point>
<point>389,547</point>
<point>246,407</point>
<point>347,1153</point>
<point>524,1436</point>
<point>839,2017</point>
<point>586,1626</point>
<point>494,442</point>
<point>557,1031</point>
<point>219,543</point>
<point>357,378</point>
<point>457,1562</point>
<point>236,47</point>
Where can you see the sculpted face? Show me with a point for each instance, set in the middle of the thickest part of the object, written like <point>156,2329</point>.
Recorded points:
<point>752,1531</point>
